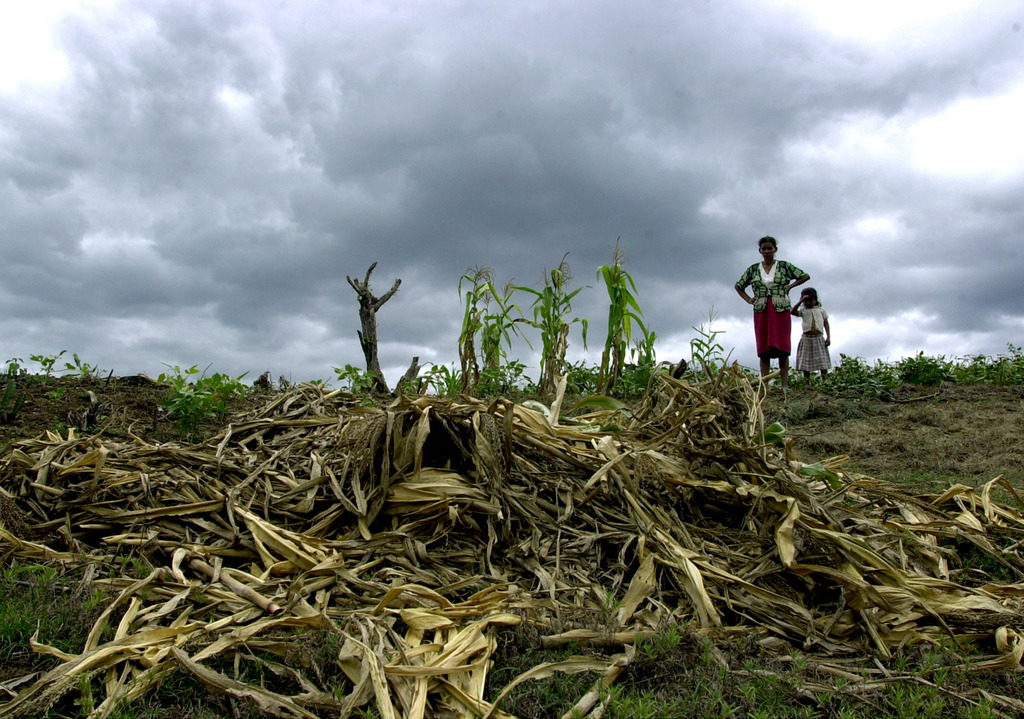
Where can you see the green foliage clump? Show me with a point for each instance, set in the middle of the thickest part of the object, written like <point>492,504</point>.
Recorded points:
<point>1002,369</point>
<point>80,369</point>
<point>47,362</point>
<point>196,396</point>
<point>925,371</point>
<point>855,374</point>
<point>354,379</point>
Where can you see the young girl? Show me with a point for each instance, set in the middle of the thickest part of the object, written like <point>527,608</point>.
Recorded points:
<point>812,352</point>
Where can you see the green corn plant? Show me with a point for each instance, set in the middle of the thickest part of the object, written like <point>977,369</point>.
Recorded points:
<point>487,315</point>
<point>551,309</point>
<point>706,351</point>
<point>444,380</point>
<point>10,402</point>
<point>479,281</point>
<point>623,312</point>
<point>498,327</point>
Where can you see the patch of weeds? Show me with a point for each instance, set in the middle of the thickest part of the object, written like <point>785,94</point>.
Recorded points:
<point>975,566</point>
<point>57,393</point>
<point>80,369</point>
<point>317,654</point>
<point>47,362</point>
<point>518,651</point>
<point>196,396</point>
<point>181,696</point>
<point>135,567</point>
<point>662,643</point>
<point>37,598</point>
<point>354,380</point>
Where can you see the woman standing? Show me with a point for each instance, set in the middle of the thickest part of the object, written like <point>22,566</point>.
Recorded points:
<point>771,280</point>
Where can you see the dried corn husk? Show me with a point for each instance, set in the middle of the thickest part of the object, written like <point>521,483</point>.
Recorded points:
<point>415,532</point>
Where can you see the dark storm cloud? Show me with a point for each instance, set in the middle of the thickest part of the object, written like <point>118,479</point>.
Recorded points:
<point>208,174</point>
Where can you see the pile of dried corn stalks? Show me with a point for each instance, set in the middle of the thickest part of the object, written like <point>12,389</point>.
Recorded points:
<point>410,535</point>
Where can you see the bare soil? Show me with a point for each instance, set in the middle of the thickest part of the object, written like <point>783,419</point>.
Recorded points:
<point>109,405</point>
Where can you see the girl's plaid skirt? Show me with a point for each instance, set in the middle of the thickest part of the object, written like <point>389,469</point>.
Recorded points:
<point>812,354</point>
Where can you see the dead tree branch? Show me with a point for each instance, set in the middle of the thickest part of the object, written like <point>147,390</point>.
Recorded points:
<point>368,306</point>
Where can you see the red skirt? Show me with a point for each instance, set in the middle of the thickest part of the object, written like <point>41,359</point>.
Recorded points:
<point>773,331</point>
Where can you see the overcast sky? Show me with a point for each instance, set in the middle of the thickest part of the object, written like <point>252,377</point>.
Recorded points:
<point>190,182</point>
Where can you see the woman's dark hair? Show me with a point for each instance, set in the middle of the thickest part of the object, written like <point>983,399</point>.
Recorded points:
<point>768,238</point>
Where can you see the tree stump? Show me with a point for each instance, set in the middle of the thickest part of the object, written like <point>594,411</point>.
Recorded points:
<point>368,306</point>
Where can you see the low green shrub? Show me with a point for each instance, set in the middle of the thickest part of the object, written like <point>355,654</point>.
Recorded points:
<point>196,396</point>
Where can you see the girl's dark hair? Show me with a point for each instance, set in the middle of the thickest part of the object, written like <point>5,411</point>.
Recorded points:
<point>809,291</point>
<point>768,238</point>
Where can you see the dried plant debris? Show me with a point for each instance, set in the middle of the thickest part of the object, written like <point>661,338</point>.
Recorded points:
<point>406,537</point>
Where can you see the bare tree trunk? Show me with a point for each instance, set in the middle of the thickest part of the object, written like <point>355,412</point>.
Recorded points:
<point>368,306</point>
<point>410,375</point>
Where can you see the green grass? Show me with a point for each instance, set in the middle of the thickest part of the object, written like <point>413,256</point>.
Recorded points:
<point>42,601</point>
<point>682,675</point>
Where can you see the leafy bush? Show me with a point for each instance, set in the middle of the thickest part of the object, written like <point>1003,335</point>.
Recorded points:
<point>196,397</point>
<point>856,375</point>
<point>926,371</point>
<point>581,379</point>
<point>1003,369</point>
<point>354,379</point>
<point>878,380</point>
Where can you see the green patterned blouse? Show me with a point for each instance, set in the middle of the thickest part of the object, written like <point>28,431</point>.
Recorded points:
<point>785,273</point>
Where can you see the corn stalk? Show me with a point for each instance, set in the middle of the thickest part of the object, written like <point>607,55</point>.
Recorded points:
<point>480,281</point>
<point>623,313</point>
<point>551,306</point>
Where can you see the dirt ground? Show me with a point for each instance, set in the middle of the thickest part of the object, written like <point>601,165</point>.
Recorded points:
<point>114,406</point>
